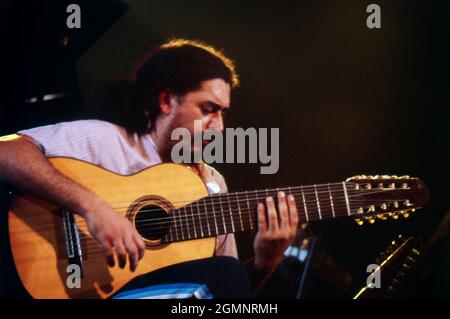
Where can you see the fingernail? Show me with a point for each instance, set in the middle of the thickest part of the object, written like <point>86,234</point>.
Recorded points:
<point>269,199</point>
<point>290,197</point>
<point>281,194</point>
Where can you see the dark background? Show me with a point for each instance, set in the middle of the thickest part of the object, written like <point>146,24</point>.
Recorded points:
<point>348,100</point>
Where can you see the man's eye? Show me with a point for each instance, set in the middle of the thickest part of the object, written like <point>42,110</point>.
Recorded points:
<point>209,109</point>
<point>206,110</point>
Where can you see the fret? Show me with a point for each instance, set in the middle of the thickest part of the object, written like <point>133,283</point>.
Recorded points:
<point>240,214</point>
<point>193,222</point>
<point>199,214</point>
<point>207,216</point>
<point>304,204</point>
<point>317,201</point>
<point>175,222</point>
<point>289,192</point>
<point>231,213</point>
<point>170,234</point>
<point>181,225</point>
<point>311,202</point>
<point>214,214</point>
<point>249,210</point>
<point>187,222</point>
<point>188,226</point>
<point>339,200</point>
<point>331,202</point>
<point>344,186</point>
<point>223,216</point>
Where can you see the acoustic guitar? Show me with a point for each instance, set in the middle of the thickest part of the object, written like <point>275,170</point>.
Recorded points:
<point>169,206</point>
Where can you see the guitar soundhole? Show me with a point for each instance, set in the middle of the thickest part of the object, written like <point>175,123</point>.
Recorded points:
<point>152,222</point>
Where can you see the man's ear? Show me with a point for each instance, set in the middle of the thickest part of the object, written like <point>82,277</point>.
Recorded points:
<point>165,102</point>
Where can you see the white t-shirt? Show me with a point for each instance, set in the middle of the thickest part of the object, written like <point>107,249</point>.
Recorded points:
<point>112,147</point>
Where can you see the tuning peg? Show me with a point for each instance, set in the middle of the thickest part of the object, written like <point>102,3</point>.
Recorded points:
<point>405,214</point>
<point>407,203</point>
<point>383,206</point>
<point>410,259</point>
<point>395,216</point>
<point>370,219</point>
<point>382,216</point>
<point>359,221</point>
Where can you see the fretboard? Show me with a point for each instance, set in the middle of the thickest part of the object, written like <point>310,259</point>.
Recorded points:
<point>235,212</point>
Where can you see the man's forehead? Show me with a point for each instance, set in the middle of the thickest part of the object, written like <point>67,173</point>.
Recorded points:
<point>216,91</point>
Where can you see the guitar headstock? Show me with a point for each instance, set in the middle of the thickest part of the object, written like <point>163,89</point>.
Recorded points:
<point>385,196</point>
<point>394,264</point>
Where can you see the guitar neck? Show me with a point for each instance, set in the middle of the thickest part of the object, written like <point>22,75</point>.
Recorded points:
<point>234,212</point>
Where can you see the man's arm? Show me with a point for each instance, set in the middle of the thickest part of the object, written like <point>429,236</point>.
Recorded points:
<point>23,165</point>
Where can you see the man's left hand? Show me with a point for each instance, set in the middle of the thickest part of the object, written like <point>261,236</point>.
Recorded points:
<point>276,231</point>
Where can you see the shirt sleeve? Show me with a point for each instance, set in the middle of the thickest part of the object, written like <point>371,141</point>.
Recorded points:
<point>82,140</point>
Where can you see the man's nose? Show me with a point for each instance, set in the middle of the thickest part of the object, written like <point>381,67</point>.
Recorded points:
<point>216,121</point>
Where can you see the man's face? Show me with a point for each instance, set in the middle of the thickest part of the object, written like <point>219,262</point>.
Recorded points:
<point>207,104</point>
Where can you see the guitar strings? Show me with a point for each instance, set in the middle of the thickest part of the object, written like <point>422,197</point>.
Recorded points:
<point>335,187</point>
<point>181,233</point>
<point>213,205</point>
<point>187,236</point>
<point>209,205</point>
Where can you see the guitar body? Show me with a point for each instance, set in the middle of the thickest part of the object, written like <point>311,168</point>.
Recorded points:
<point>38,238</point>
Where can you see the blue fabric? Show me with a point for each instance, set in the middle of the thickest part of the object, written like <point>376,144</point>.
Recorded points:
<point>167,291</point>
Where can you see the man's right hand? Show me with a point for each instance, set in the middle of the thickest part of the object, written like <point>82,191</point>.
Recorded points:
<point>116,235</point>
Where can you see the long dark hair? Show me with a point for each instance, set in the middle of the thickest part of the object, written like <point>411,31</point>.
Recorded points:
<point>178,66</point>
